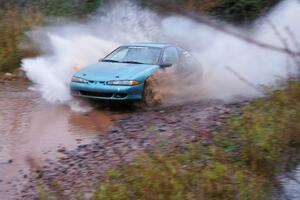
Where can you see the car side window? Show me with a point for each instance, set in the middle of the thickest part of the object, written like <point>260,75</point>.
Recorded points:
<point>170,56</point>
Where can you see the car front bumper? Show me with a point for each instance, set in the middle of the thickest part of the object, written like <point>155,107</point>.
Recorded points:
<point>107,92</point>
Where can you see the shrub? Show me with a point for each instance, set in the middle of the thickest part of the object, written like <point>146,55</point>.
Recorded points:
<point>241,11</point>
<point>14,22</point>
<point>233,11</point>
<point>17,17</point>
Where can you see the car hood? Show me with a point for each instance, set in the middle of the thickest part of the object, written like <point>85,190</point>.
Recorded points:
<point>105,71</point>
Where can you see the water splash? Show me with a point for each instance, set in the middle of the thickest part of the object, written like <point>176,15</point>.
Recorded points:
<point>71,46</point>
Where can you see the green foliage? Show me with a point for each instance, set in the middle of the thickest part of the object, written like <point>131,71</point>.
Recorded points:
<point>233,11</point>
<point>14,21</point>
<point>269,128</point>
<point>241,11</point>
<point>183,176</point>
<point>245,157</point>
<point>69,7</point>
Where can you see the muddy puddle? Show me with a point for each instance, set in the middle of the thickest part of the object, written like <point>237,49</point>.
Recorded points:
<point>32,133</point>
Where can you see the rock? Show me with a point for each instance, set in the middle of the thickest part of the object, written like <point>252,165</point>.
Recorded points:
<point>61,150</point>
<point>9,77</point>
<point>161,130</point>
<point>21,73</point>
<point>82,146</point>
<point>114,130</point>
<point>8,74</point>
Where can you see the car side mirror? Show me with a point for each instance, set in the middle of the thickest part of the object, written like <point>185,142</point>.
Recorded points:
<point>100,60</point>
<point>165,65</point>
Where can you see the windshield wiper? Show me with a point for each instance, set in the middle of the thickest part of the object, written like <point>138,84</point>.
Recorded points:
<point>133,62</point>
<point>108,60</point>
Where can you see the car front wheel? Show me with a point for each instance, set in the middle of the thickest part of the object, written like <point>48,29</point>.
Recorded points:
<point>150,95</point>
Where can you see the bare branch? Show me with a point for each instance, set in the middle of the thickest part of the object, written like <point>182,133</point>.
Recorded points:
<point>282,40</point>
<point>277,33</point>
<point>292,35</point>
<point>244,80</point>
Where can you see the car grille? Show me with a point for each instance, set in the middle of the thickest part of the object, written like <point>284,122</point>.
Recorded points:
<point>96,94</point>
<point>97,82</point>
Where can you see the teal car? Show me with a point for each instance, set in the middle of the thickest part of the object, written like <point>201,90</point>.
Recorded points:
<point>123,74</point>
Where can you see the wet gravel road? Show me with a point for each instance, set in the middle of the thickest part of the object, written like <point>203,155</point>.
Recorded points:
<point>42,144</point>
<point>163,128</point>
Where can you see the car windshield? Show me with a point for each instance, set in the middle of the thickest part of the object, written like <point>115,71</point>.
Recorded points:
<point>134,54</point>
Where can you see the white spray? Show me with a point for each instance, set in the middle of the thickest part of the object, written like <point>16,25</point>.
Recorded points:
<point>70,46</point>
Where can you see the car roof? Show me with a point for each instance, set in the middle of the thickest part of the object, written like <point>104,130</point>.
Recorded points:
<point>149,44</point>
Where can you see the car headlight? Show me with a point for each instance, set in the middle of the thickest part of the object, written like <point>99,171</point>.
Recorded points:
<point>78,80</point>
<point>125,83</point>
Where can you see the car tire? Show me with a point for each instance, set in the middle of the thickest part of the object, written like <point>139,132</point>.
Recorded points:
<point>150,96</point>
